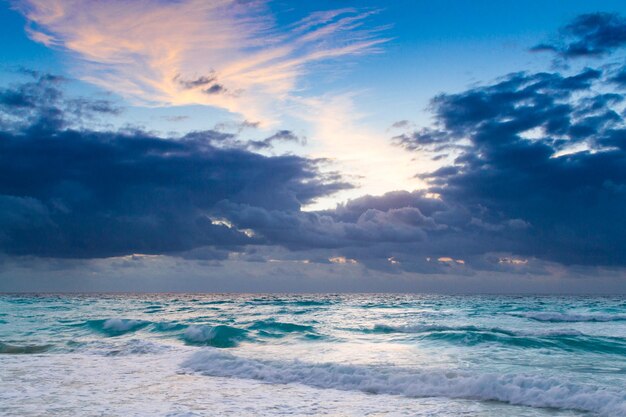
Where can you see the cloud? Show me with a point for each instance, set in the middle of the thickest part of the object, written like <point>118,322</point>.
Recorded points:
<point>342,134</point>
<point>544,151</point>
<point>619,77</point>
<point>237,126</point>
<point>234,55</point>
<point>397,232</point>
<point>282,136</point>
<point>589,35</point>
<point>68,191</point>
<point>533,184</point>
<point>224,53</point>
<point>40,104</point>
<point>222,138</point>
<point>207,84</point>
<point>178,118</point>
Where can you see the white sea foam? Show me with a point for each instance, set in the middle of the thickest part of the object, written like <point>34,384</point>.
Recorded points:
<point>108,347</point>
<point>139,347</point>
<point>121,325</point>
<point>199,334</point>
<point>528,390</point>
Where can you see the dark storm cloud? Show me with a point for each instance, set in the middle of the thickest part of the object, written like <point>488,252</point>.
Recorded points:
<point>594,34</point>
<point>544,150</point>
<point>72,192</point>
<point>40,104</point>
<point>395,217</point>
<point>398,231</point>
<point>538,168</point>
<point>221,138</point>
<point>537,176</point>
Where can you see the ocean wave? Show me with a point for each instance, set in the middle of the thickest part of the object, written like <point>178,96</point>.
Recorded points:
<point>563,339</point>
<point>517,389</point>
<point>116,326</point>
<point>426,328</point>
<point>215,302</point>
<point>304,302</point>
<point>295,312</point>
<point>8,349</point>
<point>555,317</point>
<point>278,326</point>
<point>167,326</point>
<point>422,328</point>
<point>562,342</point>
<point>220,336</point>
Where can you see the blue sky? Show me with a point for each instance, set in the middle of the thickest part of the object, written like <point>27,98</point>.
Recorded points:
<point>321,114</point>
<point>430,48</point>
<point>434,46</point>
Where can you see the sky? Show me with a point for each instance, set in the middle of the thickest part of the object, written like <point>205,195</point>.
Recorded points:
<point>329,146</point>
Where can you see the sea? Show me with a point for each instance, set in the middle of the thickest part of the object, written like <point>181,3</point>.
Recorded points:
<point>188,355</point>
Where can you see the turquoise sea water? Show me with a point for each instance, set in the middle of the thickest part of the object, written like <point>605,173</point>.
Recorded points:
<point>357,355</point>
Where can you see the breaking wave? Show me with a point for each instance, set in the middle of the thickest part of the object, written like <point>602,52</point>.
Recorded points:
<point>220,336</point>
<point>116,326</point>
<point>516,389</point>
<point>223,336</point>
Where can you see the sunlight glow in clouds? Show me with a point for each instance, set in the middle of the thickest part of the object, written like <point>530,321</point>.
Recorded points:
<point>364,155</point>
<point>229,54</point>
<point>223,53</point>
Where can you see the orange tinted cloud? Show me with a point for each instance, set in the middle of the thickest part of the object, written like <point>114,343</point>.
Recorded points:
<point>224,53</point>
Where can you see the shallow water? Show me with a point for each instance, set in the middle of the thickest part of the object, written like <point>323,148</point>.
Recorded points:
<point>338,355</point>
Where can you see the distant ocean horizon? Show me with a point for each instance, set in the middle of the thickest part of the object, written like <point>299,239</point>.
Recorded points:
<point>202,354</point>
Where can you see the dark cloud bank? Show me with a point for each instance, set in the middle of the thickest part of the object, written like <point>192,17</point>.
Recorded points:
<point>594,34</point>
<point>536,175</point>
<point>76,193</point>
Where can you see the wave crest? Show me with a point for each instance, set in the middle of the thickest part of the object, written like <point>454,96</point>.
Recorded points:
<point>117,326</point>
<point>564,339</point>
<point>528,390</point>
<point>220,336</point>
<point>281,327</point>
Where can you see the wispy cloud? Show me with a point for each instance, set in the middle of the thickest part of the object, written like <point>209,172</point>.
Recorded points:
<point>224,53</point>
